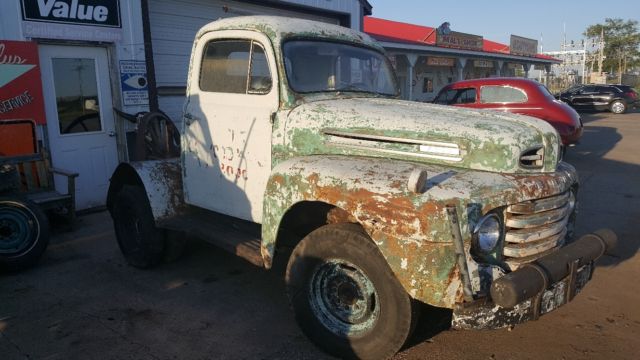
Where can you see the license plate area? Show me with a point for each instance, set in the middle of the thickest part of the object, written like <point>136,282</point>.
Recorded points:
<point>563,291</point>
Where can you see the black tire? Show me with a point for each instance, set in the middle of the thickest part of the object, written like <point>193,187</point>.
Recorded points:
<point>141,243</point>
<point>24,233</point>
<point>327,274</point>
<point>618,107</point>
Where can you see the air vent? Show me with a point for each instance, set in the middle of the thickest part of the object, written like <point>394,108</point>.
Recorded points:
<point>532,158</point>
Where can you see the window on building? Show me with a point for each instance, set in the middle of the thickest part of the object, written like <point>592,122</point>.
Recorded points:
<point>501,94</point>
<point>235,66</point>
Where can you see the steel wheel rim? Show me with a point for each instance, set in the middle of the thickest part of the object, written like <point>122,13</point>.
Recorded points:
<point>343,298</point>
<point>617,107</point>
<point>18,229</point>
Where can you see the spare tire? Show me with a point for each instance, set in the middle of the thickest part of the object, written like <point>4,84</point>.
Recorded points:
<point>24,233</point>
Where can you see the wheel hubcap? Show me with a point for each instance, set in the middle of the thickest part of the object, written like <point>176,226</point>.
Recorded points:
<point>343,298</point>
<point>618,107</point>
<point>16,230</point>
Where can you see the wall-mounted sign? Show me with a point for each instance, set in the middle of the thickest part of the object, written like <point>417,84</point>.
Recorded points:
<point>89,20</point>
<point>77,12</point>
<point>514,66</point>
<point>133,81</point>
<point>523,46</point>
<point>440,61</point>
<point>538,67</point>
<point>482,63</point>
<point>20,82</point>
<point>459,41</point>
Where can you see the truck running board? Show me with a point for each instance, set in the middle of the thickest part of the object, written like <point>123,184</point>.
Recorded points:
<point>238,237</point>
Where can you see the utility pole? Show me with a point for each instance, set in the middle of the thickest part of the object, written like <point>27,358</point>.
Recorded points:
<point>601,56</point>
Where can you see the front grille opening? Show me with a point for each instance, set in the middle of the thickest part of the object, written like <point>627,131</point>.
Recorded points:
<point>532,158</point>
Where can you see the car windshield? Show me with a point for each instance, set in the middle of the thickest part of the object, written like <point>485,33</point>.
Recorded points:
<point>546,92</point>
<point>321,66</point>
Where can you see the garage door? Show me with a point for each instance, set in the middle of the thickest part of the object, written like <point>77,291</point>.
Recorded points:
<point>173,27</point>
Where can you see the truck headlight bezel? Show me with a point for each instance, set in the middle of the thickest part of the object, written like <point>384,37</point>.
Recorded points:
<point>487,234</point>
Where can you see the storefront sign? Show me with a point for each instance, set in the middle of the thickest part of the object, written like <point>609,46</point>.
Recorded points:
<point>20,83</point>
<point>440,61</point>
<point>81,12</point>
<point>133,81</point>
<point>514,66</point>
<point>539,67</point>
<point>523,46</point>
<point>459,41</point>
<point>85,20</point>
<point>482,63</point>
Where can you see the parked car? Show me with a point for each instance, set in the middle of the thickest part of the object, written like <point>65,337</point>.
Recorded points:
<point>516,95</point>
<point>615,98</point>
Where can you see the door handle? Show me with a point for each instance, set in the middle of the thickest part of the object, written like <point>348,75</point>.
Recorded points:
<point>111,133</point>
<point>190,119</point>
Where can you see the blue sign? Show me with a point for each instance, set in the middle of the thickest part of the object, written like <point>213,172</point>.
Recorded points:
<point>133,81</point>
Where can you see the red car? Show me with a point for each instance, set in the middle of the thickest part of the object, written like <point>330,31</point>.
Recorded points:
<point>516,95</point>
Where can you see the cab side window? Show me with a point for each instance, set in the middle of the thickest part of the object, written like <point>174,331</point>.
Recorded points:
<point>501,94</point>
<point>236,67</point>
<point>465,96</point>
<point>446,97</point>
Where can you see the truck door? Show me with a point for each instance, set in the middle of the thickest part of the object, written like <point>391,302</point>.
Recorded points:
<point>232,94</point>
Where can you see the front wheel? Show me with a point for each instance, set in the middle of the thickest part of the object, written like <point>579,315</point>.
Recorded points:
<point>24,233</point>
<point>618,107</point>
<point>345,297</point>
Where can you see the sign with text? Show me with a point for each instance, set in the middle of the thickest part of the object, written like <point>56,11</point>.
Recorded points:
<point>105,13</point>
<point>133,81</point>
<point>440,61</point>
<point>460,41</point>
<point>20,82</point>
<point>523,46</point>
<point>482,63</point>
<point>84,20</point>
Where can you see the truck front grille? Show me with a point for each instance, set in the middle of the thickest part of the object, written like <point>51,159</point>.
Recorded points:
<point>536,228</point>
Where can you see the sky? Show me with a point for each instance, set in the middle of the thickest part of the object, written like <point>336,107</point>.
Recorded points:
<point>497,19</point>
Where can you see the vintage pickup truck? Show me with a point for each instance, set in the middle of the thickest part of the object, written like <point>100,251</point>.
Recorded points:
<point>296,149</point>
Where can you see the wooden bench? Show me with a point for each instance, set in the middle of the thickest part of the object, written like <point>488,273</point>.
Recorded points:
<point>34,179</point>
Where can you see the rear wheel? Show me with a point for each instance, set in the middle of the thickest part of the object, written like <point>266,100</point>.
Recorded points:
<point>24,233</point>
<point>141,243</point>
<point>618,107</point>
<point>345,297</point>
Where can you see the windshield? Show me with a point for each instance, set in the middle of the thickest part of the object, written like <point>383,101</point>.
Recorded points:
<point>545,91</point>
<point>319,66</point>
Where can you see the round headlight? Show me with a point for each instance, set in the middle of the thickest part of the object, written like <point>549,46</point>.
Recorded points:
<point>487,233</point>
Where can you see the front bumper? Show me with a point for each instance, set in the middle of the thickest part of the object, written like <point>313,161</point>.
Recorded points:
<point>536,288</point>
<point>484,314</point>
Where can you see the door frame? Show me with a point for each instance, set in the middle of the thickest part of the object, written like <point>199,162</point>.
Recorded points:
<point>106,87</point>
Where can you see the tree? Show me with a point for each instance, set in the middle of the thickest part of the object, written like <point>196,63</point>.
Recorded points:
<point>622,44</point>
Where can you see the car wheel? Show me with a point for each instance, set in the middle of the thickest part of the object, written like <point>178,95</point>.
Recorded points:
<point>24,233</point>
<point>141,243</point>
<point>618,107</point>
<point>345,297</point>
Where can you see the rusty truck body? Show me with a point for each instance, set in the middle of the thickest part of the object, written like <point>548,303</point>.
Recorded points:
<point>296,148</point>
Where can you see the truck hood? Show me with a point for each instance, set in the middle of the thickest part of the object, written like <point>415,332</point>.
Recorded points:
<point>419,132</point>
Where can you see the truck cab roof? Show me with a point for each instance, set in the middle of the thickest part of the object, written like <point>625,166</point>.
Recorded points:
<point>279,28</point>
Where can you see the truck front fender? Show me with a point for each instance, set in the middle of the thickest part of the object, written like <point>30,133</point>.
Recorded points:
<point>409,229</point>
<point>161,180</point>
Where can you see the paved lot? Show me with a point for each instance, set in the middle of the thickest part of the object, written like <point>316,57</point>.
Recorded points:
<point>84,302</point>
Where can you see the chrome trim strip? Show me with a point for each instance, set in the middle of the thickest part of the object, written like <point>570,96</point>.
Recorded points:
<point>523,236</point>
<point>388,139</point>
<point>538,219</point>
<point>397,152</point>
<point>529,249</point>
<point>536,206</point>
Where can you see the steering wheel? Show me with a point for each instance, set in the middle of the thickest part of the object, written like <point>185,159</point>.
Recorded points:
<point>80,121</point>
